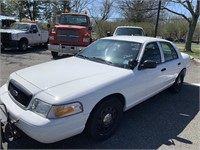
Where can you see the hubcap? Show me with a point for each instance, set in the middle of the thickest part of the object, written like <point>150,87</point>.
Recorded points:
<point>24,46</point>
<point>179,81</point>
<point>107,119</point>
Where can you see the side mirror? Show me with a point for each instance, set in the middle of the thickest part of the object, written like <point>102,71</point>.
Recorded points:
<point>148,64</point>
<point>109,34</point>
<point>90,28</point>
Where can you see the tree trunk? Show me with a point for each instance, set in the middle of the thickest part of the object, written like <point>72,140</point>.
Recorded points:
<point>29,11</point>
<point>192,25</point>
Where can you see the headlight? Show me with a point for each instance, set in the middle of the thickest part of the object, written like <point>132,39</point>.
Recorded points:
<point>48,111</point>
<point>51,38</point>
<point>14,36</point>
<point>86,40</point>
<point>65,110</point>
<point>40,107</point>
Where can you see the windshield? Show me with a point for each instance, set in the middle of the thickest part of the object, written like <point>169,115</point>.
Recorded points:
<point>112,52</point>
<point>68,19</point>
<point>20,26</point>
<point>129,31</point>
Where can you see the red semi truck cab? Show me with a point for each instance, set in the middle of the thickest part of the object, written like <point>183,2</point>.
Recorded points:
<point>71,35</point>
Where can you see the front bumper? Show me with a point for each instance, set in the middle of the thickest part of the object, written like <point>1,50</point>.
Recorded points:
<point>42,129</point>
<point>9,43</point>
<point>65,49</point>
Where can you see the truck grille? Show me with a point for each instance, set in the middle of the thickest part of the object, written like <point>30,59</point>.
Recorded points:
<point>69,36</point>
<point>19,93</point>
<point>5,36</point>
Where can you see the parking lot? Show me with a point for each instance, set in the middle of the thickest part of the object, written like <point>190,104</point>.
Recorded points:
<point>164,121</point>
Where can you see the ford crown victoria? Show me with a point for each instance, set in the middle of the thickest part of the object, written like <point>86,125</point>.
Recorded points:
<point>90,91</point>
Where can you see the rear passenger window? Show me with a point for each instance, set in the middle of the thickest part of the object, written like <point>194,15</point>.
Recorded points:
<point>168,51</point>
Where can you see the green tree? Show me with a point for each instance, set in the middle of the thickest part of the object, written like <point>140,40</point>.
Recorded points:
<point>192,20</point>
<point>175,28</point>
<point>138,10</point>
<point>8,8</point>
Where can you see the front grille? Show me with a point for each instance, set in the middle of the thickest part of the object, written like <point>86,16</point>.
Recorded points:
<point>19,93</point>
<point>69,35</point>
<point>5,36</point>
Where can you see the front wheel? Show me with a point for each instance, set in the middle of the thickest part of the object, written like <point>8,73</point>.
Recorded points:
<point>54,54</point>
<point>23,45</point>
<point>105,119</point>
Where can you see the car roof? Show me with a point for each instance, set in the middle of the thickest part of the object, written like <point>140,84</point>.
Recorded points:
<point>139,39</point>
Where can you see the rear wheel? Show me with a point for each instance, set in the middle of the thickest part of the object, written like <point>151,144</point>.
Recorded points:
<point>54,54</point>
<point>105,119</point>
<point>176,87</point>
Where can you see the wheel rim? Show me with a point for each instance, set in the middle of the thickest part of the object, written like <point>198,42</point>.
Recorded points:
<point>106,120</point>
<point>178,83</point>
<point>179,80</point>
<point>24,46</point>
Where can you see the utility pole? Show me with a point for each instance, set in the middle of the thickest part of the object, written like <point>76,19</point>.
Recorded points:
<point>157,20</point>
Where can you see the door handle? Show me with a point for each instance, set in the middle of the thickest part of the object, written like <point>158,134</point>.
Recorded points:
<point>163,69</point>
<point>179,64</point>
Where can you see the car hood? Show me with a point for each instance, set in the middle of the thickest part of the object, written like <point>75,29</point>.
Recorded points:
<point>72,71</point>
<point>11,31</point>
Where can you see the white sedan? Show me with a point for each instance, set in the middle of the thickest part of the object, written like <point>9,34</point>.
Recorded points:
<point>90,91</point>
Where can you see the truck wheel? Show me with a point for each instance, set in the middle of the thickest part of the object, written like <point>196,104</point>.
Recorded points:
<point>105,119</point>
<point>54,54</point>
<point>176,87</point>
<point>23,45</point>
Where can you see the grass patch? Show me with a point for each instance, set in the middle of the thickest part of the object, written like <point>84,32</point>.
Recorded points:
<point>195,49</point>
<point>95,36</point>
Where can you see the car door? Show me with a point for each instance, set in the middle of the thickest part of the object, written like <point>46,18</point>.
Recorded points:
<point>35,35</point>
<point>148,81</point>
<point>171,61</point>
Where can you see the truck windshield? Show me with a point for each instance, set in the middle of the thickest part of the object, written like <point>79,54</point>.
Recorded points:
<point>20,26</point>
<point>129,31</point>
<point>68,19</point>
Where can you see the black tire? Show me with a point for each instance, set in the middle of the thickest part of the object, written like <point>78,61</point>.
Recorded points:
<point>104,119</point>
<point>23,45</point>
<point>54,54</point>
<point>176,87</point>
<point>46,44</point>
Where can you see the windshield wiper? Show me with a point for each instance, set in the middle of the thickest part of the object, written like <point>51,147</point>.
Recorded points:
<point>83,56</point>
<point>95,59</point>
<point>102,60</point>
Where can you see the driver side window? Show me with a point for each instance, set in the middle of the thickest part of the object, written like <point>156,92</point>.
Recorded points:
<point>33,29</point>
<point>152,52</point>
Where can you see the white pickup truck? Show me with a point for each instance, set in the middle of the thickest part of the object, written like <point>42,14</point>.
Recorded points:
<point>129,30</point>
<point>22,35</point>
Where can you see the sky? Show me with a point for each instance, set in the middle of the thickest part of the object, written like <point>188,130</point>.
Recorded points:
<point>180,9</point>
<point>176,7</point>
